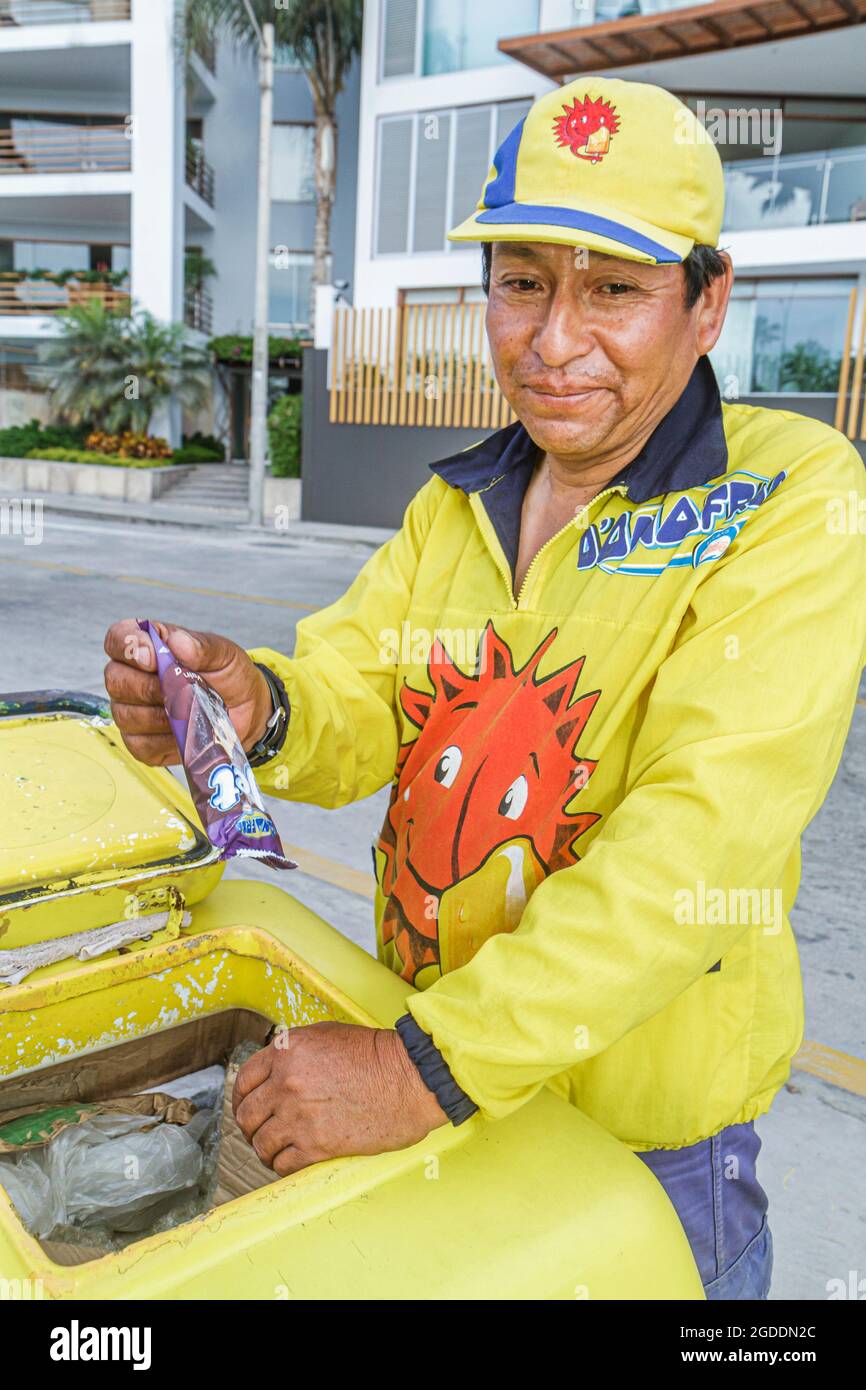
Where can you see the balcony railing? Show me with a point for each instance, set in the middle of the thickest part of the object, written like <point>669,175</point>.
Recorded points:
<point>621,9</point>
<point>796,190</point>
<point>198,311</point>
<point>28,297</point>
<point>60,149</point>
<point>19,12</point>
<point>199,174</point>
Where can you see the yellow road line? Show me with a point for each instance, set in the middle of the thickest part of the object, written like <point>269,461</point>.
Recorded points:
<point>839,1068</point>
<point>330,871</point>
<point>139,579</point>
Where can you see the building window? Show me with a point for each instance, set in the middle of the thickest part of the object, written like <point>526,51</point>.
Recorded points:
<point>423,38</point>
<point>291,278</point>
<point>783,336</point>
<point>423,185</point>
<point>292,163</point>
<point>56,256</point>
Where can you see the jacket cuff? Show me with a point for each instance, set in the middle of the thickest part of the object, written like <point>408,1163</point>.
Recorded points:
<point>434,1071</point>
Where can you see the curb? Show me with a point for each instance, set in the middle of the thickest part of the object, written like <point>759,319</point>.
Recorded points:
<point>206,518</point>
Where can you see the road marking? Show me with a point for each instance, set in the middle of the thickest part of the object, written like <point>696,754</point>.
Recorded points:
<point>331,871</point>
<point>839,1068</point>
<point>139,579</point>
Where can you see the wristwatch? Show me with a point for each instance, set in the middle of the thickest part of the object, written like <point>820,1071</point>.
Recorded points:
<point>277,726</point>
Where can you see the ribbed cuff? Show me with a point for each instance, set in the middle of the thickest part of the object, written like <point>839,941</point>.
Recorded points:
<point>434,1071</point>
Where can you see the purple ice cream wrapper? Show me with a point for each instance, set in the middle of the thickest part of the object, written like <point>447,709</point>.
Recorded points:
<point>218,773</point>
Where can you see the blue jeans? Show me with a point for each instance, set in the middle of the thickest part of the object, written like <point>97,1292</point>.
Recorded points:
<point>723,1210</point>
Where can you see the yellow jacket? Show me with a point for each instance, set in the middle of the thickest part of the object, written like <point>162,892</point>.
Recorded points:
<point>599,784</point>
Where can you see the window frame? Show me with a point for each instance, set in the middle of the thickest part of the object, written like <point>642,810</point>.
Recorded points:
<point>420,30</point>
<point>294,202</point>
<point>449,248</point>
<point>277,324</point>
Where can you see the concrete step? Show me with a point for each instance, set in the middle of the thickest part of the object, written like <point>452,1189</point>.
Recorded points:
<point>212,484</point>
<point>206,490</point>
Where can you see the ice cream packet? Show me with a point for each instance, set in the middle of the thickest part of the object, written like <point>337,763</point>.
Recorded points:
<point>218,772</point>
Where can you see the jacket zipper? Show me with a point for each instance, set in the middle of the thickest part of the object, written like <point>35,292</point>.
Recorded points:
<point>575,521</point>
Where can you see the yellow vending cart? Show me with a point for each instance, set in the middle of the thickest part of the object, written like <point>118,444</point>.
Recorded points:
<point>541,1205</point>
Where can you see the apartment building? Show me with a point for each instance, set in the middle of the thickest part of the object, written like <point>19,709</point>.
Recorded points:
<point>124,171</point>
<point>779,84</point>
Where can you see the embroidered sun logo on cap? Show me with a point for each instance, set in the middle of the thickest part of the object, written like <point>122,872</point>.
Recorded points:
<point>586,128</point>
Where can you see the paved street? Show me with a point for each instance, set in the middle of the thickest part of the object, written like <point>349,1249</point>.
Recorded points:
<point>56,600</point>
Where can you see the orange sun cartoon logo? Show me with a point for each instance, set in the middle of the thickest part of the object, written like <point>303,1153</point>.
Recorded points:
<point>482,807</point>
<point>586,128</point>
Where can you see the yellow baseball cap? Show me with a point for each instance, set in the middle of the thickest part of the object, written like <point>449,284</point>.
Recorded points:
<point>619,167</point>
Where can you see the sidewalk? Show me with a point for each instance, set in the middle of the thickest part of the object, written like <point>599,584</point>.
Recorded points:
<point>209,518</point>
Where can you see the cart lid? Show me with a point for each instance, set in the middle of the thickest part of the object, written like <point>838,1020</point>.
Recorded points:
<point>81,815</point>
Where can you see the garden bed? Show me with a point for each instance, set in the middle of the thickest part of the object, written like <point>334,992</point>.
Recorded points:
<point>136,480</point>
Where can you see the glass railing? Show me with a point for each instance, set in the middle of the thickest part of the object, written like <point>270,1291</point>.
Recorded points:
<point>622,9</point>
<point>34,145</point>
<point>18,12</point>
<point>796,190</point>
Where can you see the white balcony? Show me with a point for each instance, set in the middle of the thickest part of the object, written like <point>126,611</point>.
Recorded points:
<point>29,23</point>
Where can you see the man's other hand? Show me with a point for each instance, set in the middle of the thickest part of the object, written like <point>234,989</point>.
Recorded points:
<point>332,1089</point>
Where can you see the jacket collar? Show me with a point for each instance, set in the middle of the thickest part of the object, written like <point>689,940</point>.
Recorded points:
<point>686,448</point>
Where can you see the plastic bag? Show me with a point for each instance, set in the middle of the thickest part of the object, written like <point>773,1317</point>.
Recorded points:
<point>29,1190</point>
<point>114,1172</point>
<point>204,1088</point>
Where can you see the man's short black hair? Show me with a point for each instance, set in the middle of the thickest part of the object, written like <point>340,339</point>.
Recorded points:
<point>700,266</point>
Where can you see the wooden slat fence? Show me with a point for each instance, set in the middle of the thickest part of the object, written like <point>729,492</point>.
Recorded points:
<point>851,397</point>
<point>423,364</point>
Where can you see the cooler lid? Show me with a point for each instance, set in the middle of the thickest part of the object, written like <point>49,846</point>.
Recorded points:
<point>78,810</point>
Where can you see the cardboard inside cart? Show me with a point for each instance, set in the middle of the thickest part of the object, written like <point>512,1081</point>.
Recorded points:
<point>543,1204</point>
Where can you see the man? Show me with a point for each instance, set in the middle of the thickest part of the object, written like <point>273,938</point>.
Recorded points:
<point>636,639</point>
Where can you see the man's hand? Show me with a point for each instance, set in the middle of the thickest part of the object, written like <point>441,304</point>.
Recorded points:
<point>332,1089</point>
<point>136,699</point>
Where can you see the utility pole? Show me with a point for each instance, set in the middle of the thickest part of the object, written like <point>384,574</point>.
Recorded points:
<point>259,395</point>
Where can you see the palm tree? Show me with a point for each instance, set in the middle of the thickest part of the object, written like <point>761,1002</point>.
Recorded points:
<point>324,36</point>
<point>88,362</point>
<point>112,371</point>
<point>166,366</point>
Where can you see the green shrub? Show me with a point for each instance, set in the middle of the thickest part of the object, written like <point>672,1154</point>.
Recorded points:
<point>284,432</point>
<point>18,441</point>
<point>89,456</point>
<point>206,441</point>
<point>195,453</point>
<point>238,347</point>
